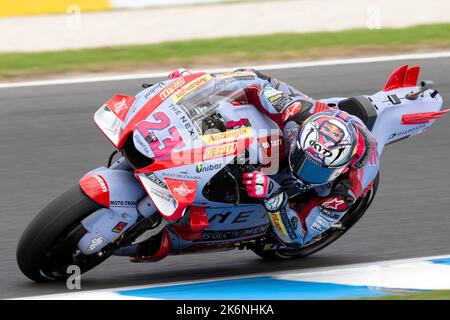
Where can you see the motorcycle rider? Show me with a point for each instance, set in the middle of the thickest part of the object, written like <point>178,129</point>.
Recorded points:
<point>332,160</point>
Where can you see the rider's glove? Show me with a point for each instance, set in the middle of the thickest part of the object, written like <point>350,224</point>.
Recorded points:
<point>257,184</point>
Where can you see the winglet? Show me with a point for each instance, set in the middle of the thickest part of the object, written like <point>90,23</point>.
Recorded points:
<point>412,74</point>
<point>396,79</point>
<point>424,117</point>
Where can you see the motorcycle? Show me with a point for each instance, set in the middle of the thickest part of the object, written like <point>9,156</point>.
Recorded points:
<point>184,145</point>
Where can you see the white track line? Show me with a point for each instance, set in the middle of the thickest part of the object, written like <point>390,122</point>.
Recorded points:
<point>320,63</point>
<point>107,294</point>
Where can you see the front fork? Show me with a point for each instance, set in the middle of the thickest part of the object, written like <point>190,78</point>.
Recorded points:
<point>124,202</point>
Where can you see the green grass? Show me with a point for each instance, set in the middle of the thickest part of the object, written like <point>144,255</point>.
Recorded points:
<point>232,50</point>
<point>430,295</point>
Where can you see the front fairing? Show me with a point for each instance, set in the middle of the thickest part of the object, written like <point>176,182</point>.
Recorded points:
<point>167,125</point>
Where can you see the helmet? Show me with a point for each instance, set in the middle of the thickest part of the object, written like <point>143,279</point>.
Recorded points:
<point>323,148</point>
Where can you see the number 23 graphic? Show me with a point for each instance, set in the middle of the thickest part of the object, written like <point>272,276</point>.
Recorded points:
<point>161,149</point>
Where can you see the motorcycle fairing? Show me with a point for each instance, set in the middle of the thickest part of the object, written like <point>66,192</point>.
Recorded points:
<point>163,98</point>
<point>397,116</point>
<point>120,213</point>
<point>226,225</point>
<point>110,117</point>
<point>173,188</point>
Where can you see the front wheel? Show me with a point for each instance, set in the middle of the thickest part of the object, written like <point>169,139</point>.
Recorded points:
<point>49,243</point>
<point>350,218</point>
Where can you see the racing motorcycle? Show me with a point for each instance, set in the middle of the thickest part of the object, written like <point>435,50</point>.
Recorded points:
<point>184,144</point>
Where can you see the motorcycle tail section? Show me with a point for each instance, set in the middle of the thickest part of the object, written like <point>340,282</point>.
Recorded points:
<point>404,108</point>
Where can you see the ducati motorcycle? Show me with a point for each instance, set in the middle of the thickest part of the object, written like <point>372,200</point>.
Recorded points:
<point>175,188</point>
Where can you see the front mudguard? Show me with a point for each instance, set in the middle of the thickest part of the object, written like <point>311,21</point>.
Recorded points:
<point>118,192</point>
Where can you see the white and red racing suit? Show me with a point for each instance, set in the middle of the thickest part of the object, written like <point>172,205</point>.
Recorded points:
<point>295,224</point>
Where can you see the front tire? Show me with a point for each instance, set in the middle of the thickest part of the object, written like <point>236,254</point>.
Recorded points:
<point>49,243</point>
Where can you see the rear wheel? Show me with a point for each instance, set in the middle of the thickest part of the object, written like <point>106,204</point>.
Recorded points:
<point>49,243</point>
<point>350,218</point>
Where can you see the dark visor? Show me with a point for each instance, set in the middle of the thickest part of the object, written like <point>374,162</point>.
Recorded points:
<point>309,171</point>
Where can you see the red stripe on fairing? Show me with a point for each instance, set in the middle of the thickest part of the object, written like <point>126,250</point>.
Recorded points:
<point>150,106</point>
<point>192,156</point>
<point>412,74</point>
<point>396,78</point>
<point>424,117</point>
<point>96,188</point>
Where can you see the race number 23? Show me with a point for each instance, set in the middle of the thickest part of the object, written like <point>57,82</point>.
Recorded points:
<point>161,148</point>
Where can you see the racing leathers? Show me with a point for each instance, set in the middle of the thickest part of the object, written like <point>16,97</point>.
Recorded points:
<point>314,209</point>
<point>297,222</point>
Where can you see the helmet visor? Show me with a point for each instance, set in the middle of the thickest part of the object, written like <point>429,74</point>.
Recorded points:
<point>310,172</point>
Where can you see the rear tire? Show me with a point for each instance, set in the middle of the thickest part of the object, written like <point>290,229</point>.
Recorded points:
<point>49,243</point>
<point>355,213</point>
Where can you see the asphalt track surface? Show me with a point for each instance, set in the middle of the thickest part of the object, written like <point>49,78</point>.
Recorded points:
<point>48,140</point>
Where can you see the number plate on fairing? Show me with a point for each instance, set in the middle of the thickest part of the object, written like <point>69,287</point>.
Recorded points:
<point>167,130</point>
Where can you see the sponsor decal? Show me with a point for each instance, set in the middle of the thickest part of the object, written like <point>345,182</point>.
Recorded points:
<point>153,90</point>
<point>233,234</point>
<point>226,136</point>
<point>320,225</point>
<point>334,204</point>
<point>119,104</point>
<point>281,104</point>
<point>294,222</point>
<point>278,223</point>
<point>184,175</point>
<point>101,182</point>
<point>291,111</point>
<point>163,148</point>
<point>163,196</point>
<point>331,215</point>
<point>319,149</point>
<point>240,217</point>
<point>208,167</point>
<point>274,204</point>
<point>183,190</point>
<point>171,88</point>
<point>288,225</point>
<point>153,178</point>
<point>275,141</point>
<point>95,243</point>
<point>237,124</point>
<point>275,97</point>
<point>331,131</point>
<point>123,203</point>
<point>244,77</point>
<point>406,132</point>
<point>191,86</point>
<point>119,227</point>
<point>96,188</point>
<point>186,122</point>
<point>220,151</point>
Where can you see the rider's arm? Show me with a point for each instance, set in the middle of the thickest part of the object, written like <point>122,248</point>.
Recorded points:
<point>278,100</point>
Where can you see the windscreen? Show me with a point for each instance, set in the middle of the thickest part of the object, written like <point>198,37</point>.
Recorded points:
<point>203,102</point>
